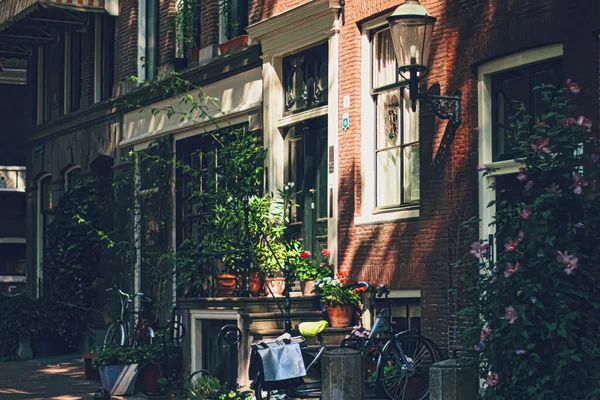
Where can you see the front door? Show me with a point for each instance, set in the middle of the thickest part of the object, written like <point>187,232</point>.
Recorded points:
<point>306,167</point>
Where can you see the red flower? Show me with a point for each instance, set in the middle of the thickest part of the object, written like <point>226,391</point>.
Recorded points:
<point>526,213</point>
<point>305,254</point>
<point>326,253</point>
<point>331,266</point>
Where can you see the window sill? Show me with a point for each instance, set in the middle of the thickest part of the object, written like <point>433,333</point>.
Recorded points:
<point>389,216</point>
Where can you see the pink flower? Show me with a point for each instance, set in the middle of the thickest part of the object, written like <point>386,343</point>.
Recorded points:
<point>492,380</point>
<point>305,254</point>
<point>510,314</point>
<point>510,269</point>
<point>521,175</point>
<point>570,261</point>
<point>568,122</point>
<point>585,122</point>
<point>580,183</point>
<point>511,245</point>
<point>521,236</point>
<point>526,213</point>
<point>326,253</point>
<point>478,249</point>
<point>322,264</point>
<point>529,185</point>
<point>538,145</point>
<point>485,332</point>
<point>573,86</point>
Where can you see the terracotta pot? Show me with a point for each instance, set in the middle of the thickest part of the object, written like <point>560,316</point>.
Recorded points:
<point>149,376</point>
<point>340,316</point>
<point>256,282</point>
<point>232,44</point>
<point>225,284</point>
<point>277,286</point>
<point>307,288</point>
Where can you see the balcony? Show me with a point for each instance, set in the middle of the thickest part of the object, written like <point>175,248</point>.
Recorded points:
<point>25,24</point>
<point>12,179</point>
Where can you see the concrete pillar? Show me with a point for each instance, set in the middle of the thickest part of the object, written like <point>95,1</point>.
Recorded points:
<point>454,379</point>
<point>342,373</point>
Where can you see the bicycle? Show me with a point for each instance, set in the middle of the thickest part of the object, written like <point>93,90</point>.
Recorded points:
<point>120,332</point>
<point>405,357</point>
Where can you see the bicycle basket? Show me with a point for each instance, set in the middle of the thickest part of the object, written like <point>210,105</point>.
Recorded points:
<point>278,359</point>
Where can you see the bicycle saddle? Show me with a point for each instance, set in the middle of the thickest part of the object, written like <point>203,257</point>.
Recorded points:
<point>311,329</point>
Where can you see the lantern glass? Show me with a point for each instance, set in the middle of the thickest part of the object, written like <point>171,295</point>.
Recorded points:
<point>411,36</point>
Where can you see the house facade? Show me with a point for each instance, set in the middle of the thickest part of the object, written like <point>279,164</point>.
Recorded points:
<point>383,187</point>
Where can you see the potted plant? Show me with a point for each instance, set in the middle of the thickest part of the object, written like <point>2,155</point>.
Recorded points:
<point>308,270</point>
<point>118,369</point>
<point>225,281</point>
<point>203,388</point>
<point>340,301</point>
<point>151,359</point>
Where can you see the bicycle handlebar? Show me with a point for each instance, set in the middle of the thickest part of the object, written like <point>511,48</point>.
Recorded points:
<point>128,296</point>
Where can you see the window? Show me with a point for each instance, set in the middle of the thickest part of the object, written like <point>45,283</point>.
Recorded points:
<point>108,56</point>
<point>406,314</point>
<point>505,84</point>
<point>201,154</point>
<point>305,77</point>
<point>513,89</point>
<point>396,130</point>
<point>151,58</point>
<point>72,176</point>
<point>233,19</point>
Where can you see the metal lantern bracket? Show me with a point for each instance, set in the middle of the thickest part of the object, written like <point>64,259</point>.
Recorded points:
<point>445,107</point>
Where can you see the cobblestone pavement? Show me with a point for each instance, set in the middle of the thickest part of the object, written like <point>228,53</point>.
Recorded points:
<point>59,378</point>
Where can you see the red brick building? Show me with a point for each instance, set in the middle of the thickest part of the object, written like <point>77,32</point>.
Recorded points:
<point>390,189</point>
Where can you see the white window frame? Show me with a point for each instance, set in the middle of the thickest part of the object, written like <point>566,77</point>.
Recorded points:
<point>369,213</point>
<point>66,175</point>
<point>67,74</point>
<point>395,294</point>
<point>485,102</point>
<point>40,235</point>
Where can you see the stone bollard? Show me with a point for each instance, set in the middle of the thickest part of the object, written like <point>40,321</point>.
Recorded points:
<point>24,351</point>
<point>342,374</point>
<point>453,379</point>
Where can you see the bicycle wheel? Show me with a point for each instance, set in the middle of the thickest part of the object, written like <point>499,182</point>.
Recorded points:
<point>259,393</point>
<point>401,381</point>
<point>115,335</point>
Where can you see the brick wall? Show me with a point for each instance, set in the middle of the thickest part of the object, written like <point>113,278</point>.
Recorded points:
<point>416,254</point>
<point>209,23</point>
<point>126,46</point>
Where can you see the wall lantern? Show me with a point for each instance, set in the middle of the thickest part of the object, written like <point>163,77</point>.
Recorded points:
<point>411,27</point>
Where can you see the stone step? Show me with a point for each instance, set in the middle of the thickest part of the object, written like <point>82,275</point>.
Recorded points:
<point>279,315</point>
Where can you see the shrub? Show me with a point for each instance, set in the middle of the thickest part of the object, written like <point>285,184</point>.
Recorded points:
<point>540,299</point>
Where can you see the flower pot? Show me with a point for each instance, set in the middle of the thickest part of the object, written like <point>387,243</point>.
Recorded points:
<point>256,283</point>
<point>149,376</point>
<point>119,380</point>
<point>277,286</point>
<point>232,44</point>
<point>225,284</point>
<point>340,316</point>
<point>307,287</point>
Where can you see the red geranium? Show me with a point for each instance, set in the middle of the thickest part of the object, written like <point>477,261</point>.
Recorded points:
<point>305,254</point>
<point>326,253</point>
